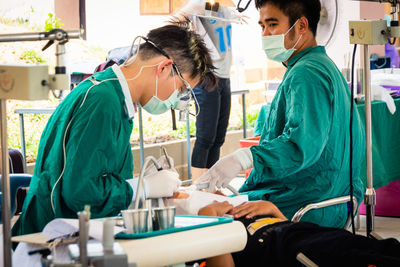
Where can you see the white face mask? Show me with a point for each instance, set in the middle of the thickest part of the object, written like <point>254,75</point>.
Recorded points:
<point>157,106</point>
<point>177,100</point>
<point>274,46</point>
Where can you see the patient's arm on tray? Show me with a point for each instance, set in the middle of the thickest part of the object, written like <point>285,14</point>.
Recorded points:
<point>218,209</point>
<point>254,208</point>
<point>248,209</point>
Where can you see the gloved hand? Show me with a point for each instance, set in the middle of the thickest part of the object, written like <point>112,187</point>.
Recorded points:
<point>380,93</point>
<point>236,17</point>
<point>163,162</point>
<point>194,7</point>
<point>227,168</point>
<point>163,183</point>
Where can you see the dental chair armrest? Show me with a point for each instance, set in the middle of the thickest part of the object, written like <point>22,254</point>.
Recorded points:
<point>330,202</point>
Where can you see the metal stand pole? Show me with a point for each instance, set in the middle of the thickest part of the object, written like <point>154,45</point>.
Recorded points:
<point>244,115</point>
<point>141,136</point>
<point>22,134</point>
<point>83,237</point>
<point>189,163</point>
<point>370,196</point>
<point>5,186</point>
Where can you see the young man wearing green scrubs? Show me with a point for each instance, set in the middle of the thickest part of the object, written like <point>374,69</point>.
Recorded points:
<point>85,156</point>
<point>303,154</point>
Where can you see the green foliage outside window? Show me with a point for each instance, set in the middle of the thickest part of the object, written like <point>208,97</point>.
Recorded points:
<point>31,56</point>
<point>52,22</point>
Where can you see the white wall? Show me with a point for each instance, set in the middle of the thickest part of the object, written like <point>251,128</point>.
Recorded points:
<point>247,40</point>
<point>116,23</point>
<point>340,45</point>
<point>123,22</point>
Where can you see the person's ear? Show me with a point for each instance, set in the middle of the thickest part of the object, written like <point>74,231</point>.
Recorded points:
<point>165,68</point>
<point>303,25</point>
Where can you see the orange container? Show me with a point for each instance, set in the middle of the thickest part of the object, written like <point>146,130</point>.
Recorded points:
<point>248,142</point>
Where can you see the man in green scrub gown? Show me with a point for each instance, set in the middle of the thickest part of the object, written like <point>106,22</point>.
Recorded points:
<point>303,154</point>
<point>85,156</point>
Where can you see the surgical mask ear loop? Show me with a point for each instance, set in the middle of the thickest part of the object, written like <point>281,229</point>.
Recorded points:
<point>173,77</point>
<point>156,85</point>
<point>298,40</point>
<point>291,27</point>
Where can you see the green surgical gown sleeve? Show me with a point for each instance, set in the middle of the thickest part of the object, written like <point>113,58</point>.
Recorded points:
<point>92,172</point>
<point>306,130</point>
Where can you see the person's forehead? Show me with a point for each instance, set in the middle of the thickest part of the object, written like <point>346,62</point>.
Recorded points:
<point>271,13</point>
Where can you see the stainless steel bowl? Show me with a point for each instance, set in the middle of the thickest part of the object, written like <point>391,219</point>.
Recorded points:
<point>164,218</point>
<point>135,220</point>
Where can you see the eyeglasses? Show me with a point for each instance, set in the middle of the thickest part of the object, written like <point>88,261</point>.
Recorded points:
<point>162,52</point>
<point>185,97</point>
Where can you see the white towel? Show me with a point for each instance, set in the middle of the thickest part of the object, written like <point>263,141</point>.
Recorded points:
<point>199,199</point>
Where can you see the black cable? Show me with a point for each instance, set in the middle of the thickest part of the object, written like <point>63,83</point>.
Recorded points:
<point>393,23</point>
<point>353,228</point>
<point>242,9</point>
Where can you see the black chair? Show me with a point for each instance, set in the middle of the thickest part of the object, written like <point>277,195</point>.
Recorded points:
<point>17,181</point>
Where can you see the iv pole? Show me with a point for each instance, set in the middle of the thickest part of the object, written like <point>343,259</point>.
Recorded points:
<point>369,196</point>
<point>391,31</point>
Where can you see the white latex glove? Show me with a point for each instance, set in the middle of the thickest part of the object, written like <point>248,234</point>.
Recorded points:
<point>380,93</point>
<point>198,199</point>
<point>163,162</point>
<point>162,184</point>
<point>227,168</point>
<point>235,16</point>
<point>194,7</point>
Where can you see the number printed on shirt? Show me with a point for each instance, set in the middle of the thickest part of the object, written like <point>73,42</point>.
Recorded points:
<point>228,32</point>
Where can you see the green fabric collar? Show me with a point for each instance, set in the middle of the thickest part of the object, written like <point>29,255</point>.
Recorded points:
<point>313,49</point>
<point>109,74</point>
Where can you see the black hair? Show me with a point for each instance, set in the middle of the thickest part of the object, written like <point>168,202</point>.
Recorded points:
<point>185,47</point>
<point>295,9</point>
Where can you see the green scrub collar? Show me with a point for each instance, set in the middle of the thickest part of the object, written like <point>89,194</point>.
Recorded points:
<point>295,58</point>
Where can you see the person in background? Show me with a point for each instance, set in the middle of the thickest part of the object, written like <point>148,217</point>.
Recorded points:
<point>85,155</point>
<point>214,105</point>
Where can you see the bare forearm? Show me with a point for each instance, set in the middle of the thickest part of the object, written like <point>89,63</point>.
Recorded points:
<point>224,260</point>
<point>207,211</point>
<point>278,214</point>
